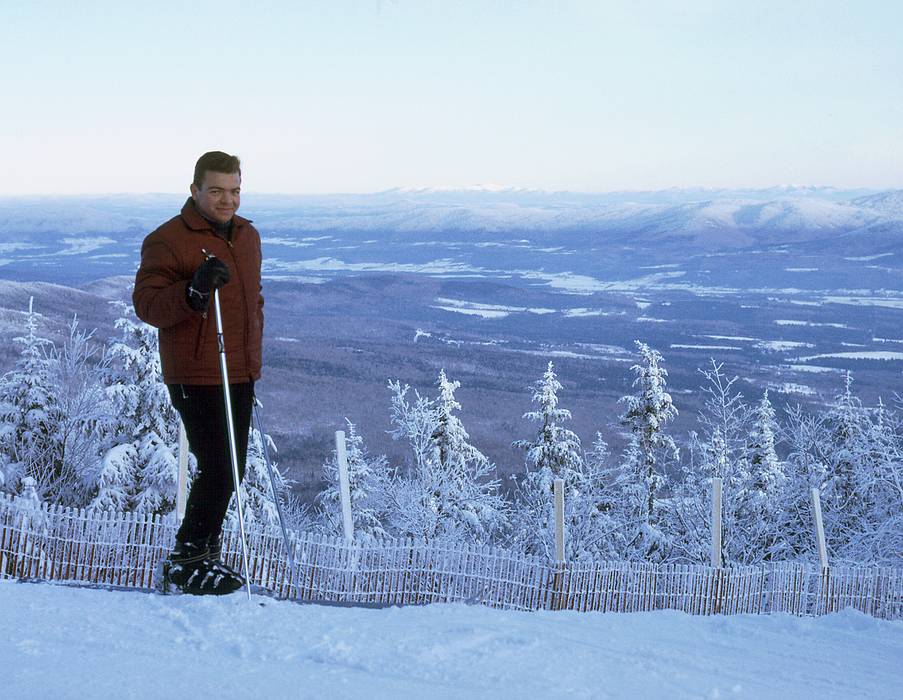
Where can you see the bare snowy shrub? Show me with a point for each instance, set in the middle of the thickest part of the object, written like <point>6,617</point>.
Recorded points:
<point>603,528</point>
<point>78,419</point>
<point>258,493</point>
<point>298,514</point>
<point>368,480</point>
<point>446,492</point>
<point>736,445</point>
<point>852,454</point>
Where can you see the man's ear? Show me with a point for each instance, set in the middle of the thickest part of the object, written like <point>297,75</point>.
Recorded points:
<point>194,191</point>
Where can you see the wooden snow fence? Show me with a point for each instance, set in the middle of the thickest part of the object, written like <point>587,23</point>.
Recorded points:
<point>122,549</point>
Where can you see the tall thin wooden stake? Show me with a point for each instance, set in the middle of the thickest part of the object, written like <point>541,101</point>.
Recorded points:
<point>819,529</point>
<point>182,486</point>
<point>344,485</point>
<point>716,522</point>
<point>559,519</point>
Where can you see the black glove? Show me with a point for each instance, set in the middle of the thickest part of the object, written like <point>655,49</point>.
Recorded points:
<point>211,274</point>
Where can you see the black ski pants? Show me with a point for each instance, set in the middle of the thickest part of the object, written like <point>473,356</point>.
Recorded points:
<point>204,416</point>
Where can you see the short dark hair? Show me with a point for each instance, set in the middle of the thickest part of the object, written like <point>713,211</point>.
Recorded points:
<point>218,162</point>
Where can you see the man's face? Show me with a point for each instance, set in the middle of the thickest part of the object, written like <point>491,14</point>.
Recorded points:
<point>218,196</point>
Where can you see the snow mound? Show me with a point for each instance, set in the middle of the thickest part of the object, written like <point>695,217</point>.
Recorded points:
<point>65,642</point>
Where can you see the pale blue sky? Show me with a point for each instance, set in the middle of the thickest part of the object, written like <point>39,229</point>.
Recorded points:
<point>363,96</point>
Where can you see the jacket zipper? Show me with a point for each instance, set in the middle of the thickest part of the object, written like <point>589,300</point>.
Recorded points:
<point>244,303</point>
<point>202,336</point>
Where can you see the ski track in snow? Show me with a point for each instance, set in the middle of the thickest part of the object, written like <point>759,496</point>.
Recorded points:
<point>73,643</point>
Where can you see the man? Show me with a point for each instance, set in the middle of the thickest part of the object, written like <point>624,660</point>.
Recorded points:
<point>206,247</point>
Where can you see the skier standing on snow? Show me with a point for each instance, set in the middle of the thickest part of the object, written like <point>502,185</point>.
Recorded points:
<point>173,290</point>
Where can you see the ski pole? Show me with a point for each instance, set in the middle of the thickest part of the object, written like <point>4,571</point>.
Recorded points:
<point>272,474</point>
<point>233,450</point>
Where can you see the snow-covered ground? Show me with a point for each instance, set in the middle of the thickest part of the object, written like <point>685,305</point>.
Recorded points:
<point>75,643</point>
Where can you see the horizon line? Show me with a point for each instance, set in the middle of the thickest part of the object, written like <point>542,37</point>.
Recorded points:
<point>474,189</point>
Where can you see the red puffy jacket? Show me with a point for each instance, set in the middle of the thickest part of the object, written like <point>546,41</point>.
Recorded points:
<point>189,352</point>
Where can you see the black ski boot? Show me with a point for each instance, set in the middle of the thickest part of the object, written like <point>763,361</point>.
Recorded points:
<point>189,569</point>
<point>215,555</point>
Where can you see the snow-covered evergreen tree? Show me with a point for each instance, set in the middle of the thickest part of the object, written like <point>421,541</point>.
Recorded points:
<point>765,466</point>
<point>140,468</point>
<point>554,448</point>
<point>555,453</point>
<point>473,494</point>
<point>368,479</point>
<point>845,494</point>
<point>767,481</point>
<point>647,413</point>
<point>26,396</point>
<point>116,479</point>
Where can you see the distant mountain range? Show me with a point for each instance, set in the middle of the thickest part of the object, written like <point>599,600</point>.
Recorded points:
<point>734,218</point>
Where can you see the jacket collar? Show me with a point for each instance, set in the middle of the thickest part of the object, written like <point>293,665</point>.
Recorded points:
<point>193,219</point>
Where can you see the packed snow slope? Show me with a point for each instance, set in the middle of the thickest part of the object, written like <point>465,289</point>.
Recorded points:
<point>64,642</point>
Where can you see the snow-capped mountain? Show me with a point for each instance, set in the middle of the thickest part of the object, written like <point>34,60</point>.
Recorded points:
<point>890,203</point>
<point>734,216</point>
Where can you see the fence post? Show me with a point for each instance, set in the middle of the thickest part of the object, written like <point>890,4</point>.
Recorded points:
<point>559,520</point>
<point>716,522</point>
<point>344,486</point>
<point>819,529</point>
<point>558,572</point>
<point>182,485</point>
